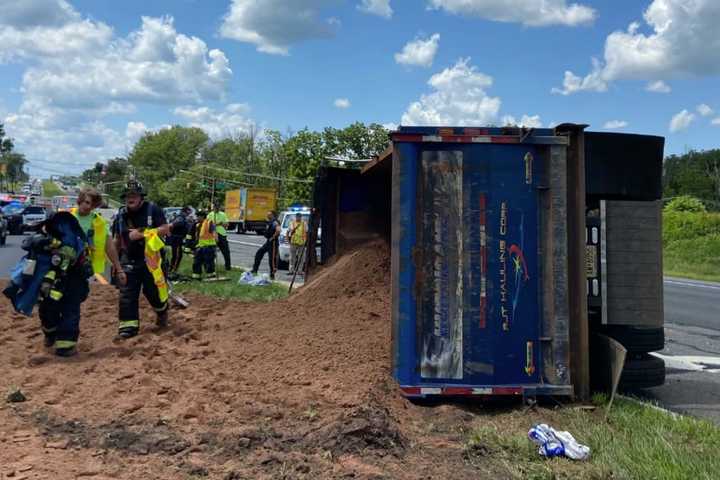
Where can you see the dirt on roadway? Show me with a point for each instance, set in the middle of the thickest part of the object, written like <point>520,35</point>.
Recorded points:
<point>299,388</point>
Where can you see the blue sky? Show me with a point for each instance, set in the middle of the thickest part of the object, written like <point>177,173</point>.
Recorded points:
<point>81,80</point>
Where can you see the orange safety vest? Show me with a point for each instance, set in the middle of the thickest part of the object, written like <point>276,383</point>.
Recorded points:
<point>206,237</point>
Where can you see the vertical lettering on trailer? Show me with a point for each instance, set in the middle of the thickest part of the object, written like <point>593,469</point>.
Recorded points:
<point>502,257</point>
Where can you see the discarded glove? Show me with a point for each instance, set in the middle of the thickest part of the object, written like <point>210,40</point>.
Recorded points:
<point>248,278</point>
<point>555,443</point>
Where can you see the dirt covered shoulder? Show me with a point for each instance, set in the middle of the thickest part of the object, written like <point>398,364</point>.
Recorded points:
<point>299,388</point>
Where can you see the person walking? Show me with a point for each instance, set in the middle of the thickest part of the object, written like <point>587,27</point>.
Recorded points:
<point>297,234</point>
<point>180,228</point>
<point>65,285</point>
<point>138,230</point>
<point>97,230</point>
<point>272,233</point>
<point>218,217</point>
<point>205,252</point>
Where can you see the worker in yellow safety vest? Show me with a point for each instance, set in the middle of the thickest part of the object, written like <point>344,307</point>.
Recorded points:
<point>297,234</point>
<point>206,245</point>
<point>97,230</point>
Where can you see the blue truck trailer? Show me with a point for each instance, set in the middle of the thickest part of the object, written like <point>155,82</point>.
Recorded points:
<point>511,249</point>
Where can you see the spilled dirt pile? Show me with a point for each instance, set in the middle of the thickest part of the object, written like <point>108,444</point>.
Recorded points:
<point>299,388</point>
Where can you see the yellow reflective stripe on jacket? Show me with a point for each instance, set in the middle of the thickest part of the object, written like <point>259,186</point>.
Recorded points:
<point>153,260</point>
<point>97,246</point>
<point>206,237</point>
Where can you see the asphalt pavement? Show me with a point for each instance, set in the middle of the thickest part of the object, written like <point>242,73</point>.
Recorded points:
<point>692,349</point>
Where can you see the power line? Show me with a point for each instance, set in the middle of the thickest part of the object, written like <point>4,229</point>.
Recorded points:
<point>258,175</point>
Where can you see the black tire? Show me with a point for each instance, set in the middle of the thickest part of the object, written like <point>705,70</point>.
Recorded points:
<point>637,339</point>
<point>642,371</point>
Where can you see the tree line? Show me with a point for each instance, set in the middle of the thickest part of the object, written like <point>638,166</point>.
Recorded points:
<point>12,164</point>
<point>183,166</point>
<point>695,173</point>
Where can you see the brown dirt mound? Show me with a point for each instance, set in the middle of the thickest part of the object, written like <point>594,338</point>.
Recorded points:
<point>299,388</point>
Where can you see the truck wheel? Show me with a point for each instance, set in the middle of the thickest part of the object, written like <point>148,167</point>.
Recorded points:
<point>637,339</point>
<point>642,371</point>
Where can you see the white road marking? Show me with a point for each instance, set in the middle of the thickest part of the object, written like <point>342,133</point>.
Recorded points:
<point>694,363</point>
<point>688,284</point>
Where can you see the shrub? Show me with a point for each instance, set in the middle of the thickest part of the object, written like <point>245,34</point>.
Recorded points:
<point>685,203</point>
<point>689,225</point>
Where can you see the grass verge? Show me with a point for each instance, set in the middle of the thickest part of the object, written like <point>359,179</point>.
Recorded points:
<point>230,288</point>
<point>50,189</point>
<point>697,258</point>
<point>635,442</point>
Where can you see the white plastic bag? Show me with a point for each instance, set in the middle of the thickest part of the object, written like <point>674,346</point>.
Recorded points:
<point>248,278</point>
<point>554,443</point>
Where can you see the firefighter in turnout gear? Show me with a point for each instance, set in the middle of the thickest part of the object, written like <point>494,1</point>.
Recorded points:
<point>138,230</point>
<point>206,242</point>
<point>54,274</point>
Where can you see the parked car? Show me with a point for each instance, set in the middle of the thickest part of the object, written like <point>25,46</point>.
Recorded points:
<point>33,215</point>
<point>21,218</point>
<point>13,216</point>
<point>3,229</point>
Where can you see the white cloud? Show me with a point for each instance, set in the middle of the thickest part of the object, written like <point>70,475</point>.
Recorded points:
<point>419,52</point>
<point>715,121</point>
<point>615,124</point>
<point>526,121</point>
<point>80,73</point>
<point>342,103</point>
<point>681,121</point>
<point>30,13</point>
<point>458,98</point>
<point>705,110</point>
<point>135,130</point>
<point>683,41</point>
<point>274,25</point>
<point>390,126</point>
<point>533,13</point>
<point>381,8</point>
<point>593,82</point>
<point>658,86</point>
<point>154,64</point>
<point>229,122</point>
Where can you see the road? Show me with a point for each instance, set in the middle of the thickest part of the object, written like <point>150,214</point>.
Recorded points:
<point>242,253</point>
<point>692,329</point>
<point>692,349</point>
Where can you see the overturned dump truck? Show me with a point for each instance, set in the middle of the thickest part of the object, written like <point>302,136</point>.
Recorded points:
<point>511,250</point>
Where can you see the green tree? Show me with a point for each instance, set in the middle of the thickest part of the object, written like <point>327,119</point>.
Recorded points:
<point>15,173</point>
<point>694,173</point>
<point>158,157</point>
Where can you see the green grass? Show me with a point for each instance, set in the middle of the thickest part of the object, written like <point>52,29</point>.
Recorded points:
<point>50,189</point>
<point>229,289</point>
<point>691,245</point>
<point>635,442</point>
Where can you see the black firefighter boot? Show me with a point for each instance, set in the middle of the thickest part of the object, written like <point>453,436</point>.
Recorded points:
<point>162,318</point>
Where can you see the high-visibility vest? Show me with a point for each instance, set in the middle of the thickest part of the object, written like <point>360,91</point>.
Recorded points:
<point>153,259</point>
<point>97,243</point>
<point>299,233</point>
<point>206,237</point>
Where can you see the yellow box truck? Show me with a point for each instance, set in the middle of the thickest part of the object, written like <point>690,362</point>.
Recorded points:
<point>246,208</point>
